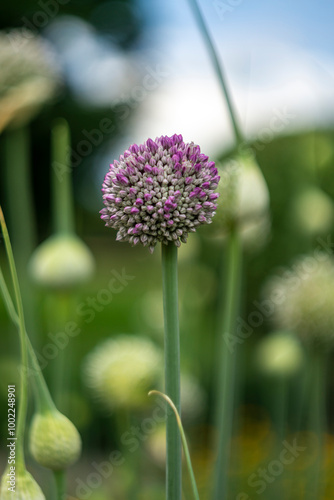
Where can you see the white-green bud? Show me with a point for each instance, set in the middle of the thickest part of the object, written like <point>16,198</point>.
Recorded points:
<point>54,441</point>
<point>121,370</point>
<point>243,202</point>
<point>279,354</point>
<point>23,484</point>
<point>306,295</point>
<point>61,262</point>
<point>313,211</point>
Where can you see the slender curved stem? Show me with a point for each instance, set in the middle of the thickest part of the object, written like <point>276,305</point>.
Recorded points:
<point>22,411</point>
<point>218,69</point>
<point>172,368</point>
<point>226,365</point>
<point>44,401</point>
<point>183,439</point>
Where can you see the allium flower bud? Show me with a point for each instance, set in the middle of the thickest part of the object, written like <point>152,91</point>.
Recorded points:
<point>29,76</point>
<point>313,211</point>
<point>122,370</point>
<point>26,487</point>
<point>245,198</point>
<point>54,441</point>
<point>305,299</point>
<point>61,261</point>
<point>160,191</point>
<point>279,354</point>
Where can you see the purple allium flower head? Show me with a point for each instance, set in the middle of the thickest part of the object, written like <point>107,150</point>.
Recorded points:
<point>159,191</point>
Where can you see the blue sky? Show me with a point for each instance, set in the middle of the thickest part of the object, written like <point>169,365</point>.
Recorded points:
<point>305,22</point>
<point>276,53</point>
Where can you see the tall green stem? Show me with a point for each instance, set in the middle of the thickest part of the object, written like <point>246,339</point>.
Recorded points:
<point>317,421</point>
<point>218,69</point>
<point>19,188</point>
<point>226,365</point>
<point>172,368</point>
<point>60,479</point>
<point>64,223</point>
<point>63,212</point>
<point>22,411</point>
<point>21,214</point>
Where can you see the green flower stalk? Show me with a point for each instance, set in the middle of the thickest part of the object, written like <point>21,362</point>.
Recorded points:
<point>25,487</point>
<point>172,366</point>
<point>226,362</point>
<point>22,411</point>
<point>54,441</point>
<point>160,191</point>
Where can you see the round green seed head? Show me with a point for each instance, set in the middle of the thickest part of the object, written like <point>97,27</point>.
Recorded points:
<point>54,441</point>
<point>279,354</point>
<point>313,211</point>
<point>61,262</point>
<point>120,371</point>
<point>26,487</point>
<point>306,297</point>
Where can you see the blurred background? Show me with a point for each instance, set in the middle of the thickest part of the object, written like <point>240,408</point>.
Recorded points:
<point>119,72</point>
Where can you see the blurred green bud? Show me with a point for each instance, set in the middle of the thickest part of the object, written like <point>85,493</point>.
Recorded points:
<point>122,370</point>
<point>279,354</point>
<point>61,262</point>
<point>304,297</point>
<point>313,211</point>
<point>25,486</point>
<point>54,441</point>
<point>244,201</point>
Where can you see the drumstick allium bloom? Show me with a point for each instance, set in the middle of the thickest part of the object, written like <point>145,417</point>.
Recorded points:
<point>160,191</point>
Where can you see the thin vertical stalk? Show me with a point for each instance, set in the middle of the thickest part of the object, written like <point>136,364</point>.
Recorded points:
<point>21,214</point>
<point>317,421</point>
<point>218,69</point>
<point>60,479</point>
<point>280,389</point>
<point>64,223</point>
<point>227,364</point>
<point>22,411</point>
<point>172,368</point>
<point>59,308</point>
<point>19,188</point>
<point>63,212</point>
